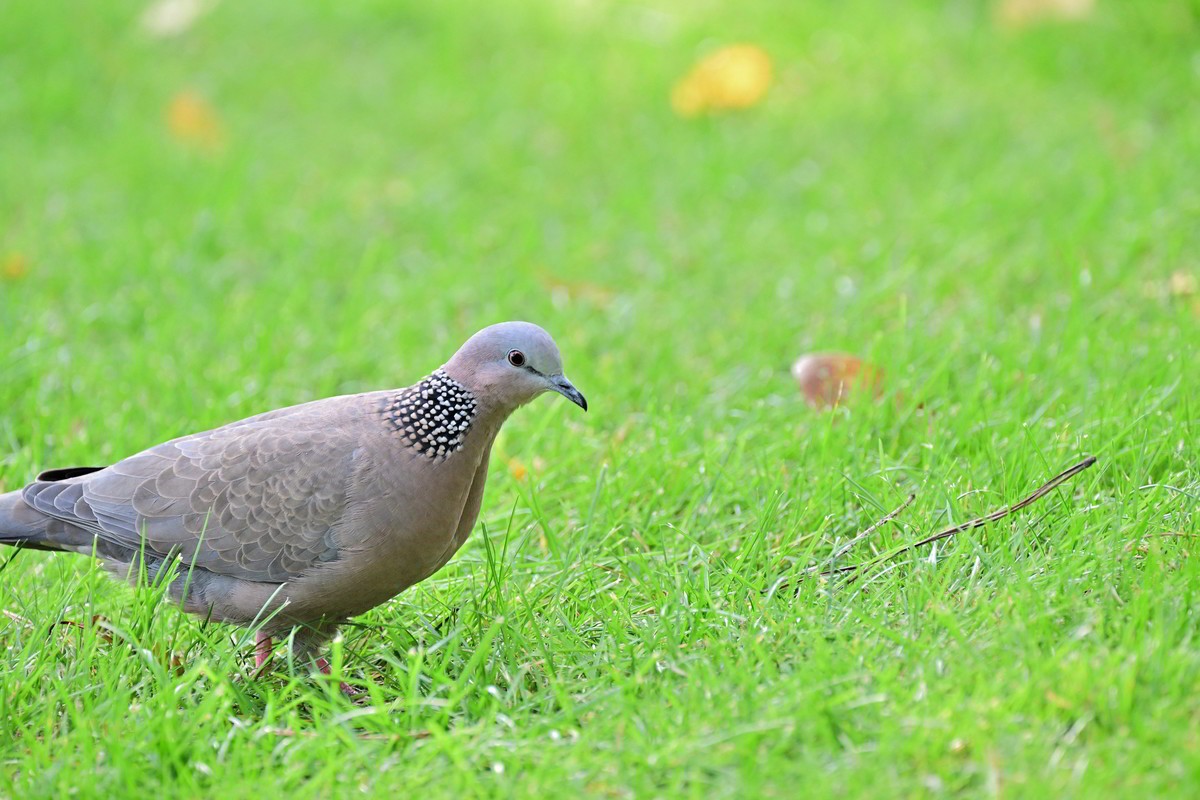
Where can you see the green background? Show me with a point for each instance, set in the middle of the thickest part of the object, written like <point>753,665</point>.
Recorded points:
<point>1005,218</point>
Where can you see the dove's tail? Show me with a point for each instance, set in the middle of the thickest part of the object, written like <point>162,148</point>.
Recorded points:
<point>24,526</point>
<point>21,526</point>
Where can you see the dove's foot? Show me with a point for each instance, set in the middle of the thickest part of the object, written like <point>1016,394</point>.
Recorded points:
<point>262,650</point>
<point>350,691</point>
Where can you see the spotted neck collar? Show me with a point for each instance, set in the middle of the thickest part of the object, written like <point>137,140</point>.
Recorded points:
<point>433,416</point>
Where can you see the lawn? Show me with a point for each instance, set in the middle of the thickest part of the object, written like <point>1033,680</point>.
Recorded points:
<point>287,201</point>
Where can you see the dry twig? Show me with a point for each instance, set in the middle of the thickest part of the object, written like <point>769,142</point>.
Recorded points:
<point>853,569</point>
<point>882,521</point>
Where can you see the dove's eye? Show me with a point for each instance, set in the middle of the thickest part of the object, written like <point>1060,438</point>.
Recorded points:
<point>516,358</point>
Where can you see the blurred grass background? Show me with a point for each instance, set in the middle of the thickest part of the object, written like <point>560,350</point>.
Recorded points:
<point>285,201</point>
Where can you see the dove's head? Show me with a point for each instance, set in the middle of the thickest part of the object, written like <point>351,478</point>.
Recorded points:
<point>509,364</point>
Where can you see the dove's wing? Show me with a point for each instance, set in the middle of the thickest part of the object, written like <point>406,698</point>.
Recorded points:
<point>256,499</point>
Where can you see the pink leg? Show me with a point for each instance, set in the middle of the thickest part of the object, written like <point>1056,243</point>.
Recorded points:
<point>262,649</point>
<point>347,689</point>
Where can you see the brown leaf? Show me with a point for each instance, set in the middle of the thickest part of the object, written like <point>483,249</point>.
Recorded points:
<point>733,77</point>
<point>173,660</point>
<point>194,123</point>
<point>827,379</point>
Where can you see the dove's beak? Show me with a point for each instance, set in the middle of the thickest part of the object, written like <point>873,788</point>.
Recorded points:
<point>560,384</point>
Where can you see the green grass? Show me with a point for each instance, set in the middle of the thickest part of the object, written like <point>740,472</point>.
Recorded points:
<point>992,216</point>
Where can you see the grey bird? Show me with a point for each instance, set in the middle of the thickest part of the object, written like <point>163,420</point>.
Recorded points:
<point>295,520</point>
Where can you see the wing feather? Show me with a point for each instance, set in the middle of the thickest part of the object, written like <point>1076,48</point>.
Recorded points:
<point>256,499</point>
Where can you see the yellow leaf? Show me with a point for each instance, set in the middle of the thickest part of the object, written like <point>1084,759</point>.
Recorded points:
<point>14,267</point>
<point>733,77</point>
<point>1020,13</point>
<point>517,469</point>
<point>194,123</point>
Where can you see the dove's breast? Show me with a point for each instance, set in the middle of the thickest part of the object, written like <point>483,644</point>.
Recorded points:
<point>409,512</point>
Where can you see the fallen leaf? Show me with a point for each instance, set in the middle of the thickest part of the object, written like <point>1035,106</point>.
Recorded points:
<point>14,267</point>
<point>1022,13</point>
<point>825,379</point>
<point>733,77</point>
<point>1181,284</point>
<point>173,660</point>
<point>165,18</point>
<point>194,123</point>
<point>517,469</point>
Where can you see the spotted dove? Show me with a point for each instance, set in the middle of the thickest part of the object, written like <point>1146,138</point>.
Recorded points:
<point>298,519</point>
